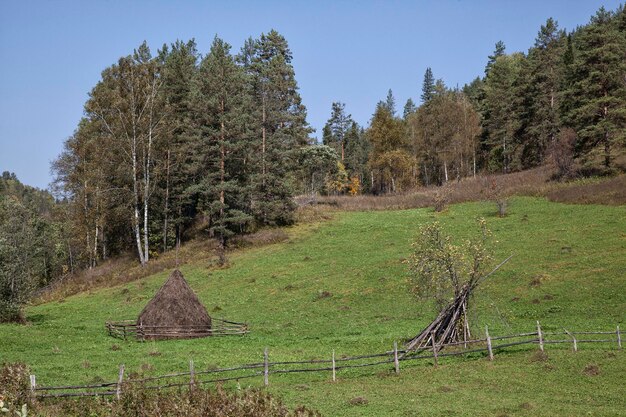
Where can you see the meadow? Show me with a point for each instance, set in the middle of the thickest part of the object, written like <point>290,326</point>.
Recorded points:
<point>341,284</point>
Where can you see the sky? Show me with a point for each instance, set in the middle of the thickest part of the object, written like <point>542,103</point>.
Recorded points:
<point>52,52</point>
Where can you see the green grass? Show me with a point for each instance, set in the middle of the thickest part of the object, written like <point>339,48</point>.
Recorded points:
<point>576,253</point>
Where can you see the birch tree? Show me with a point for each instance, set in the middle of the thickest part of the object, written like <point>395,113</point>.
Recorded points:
<point>128,104</point>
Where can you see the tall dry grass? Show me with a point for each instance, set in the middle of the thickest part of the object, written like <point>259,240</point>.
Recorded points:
<point>538,182</point>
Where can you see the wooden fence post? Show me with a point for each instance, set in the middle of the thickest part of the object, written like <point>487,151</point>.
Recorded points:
<point>395,357</point>
<point>619,339</point>
<point>266,370</point>
<point>334,371</point>
<point>540,336</point>
<point>192,377</point>
<point>432,337</point>
<point>33,385</point>
<point>489,343</point>
<point>120,378</point>
<point>573,339</point>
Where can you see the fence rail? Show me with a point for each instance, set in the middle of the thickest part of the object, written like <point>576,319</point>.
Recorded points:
<point>129,328</point>
<point>331,366</point>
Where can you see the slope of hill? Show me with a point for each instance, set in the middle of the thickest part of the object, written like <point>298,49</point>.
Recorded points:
<point>341,285</point>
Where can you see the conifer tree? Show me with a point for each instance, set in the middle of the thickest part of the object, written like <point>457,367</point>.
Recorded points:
<point>499,51</point>
<point>282,126</point>
<point>390,103</point>
<point>179,71</point>
<point>336,129</point>
<point>221,104</point>
<point>428,86</point>
<point>542,92</point>
<point>409,108</point>
<point>599,113</point>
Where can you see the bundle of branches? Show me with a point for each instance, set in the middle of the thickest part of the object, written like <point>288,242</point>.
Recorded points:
<point>451,325</point>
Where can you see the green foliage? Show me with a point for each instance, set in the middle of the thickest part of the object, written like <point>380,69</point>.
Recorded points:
<point>317,163</point>
<point>281,126</point>
<point>32,249</point>
<point>428,86</point>
<point>221,105</point>
<point>336,129</point>
<point>597,110</point>
<point>439,268</point>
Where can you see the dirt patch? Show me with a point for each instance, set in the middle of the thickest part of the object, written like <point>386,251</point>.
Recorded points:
<point>591,370</point>
<point>359,401</point>
<point>539,356</point>
<point>323,294</point>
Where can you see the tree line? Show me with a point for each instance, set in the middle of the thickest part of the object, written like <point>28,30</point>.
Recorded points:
<point>563,99</point>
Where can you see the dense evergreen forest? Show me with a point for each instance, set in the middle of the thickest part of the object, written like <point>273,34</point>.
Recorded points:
<point>176,142</point>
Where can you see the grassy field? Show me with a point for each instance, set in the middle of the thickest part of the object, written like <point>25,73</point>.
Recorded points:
<point>342,285</point>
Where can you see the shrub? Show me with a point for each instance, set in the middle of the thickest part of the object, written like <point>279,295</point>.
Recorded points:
<point>14,385</point>
<point>197,403</point>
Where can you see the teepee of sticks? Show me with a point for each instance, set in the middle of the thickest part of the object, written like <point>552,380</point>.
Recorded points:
<point>451,324</point>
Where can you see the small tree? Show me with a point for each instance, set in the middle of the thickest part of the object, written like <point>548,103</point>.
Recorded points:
<point>18,256</point>
<point>439,268</point>
<point>448,273</point>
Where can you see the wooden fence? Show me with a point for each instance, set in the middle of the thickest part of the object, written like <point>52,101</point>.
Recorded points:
<point>191,378</point>
<point>130,328</point>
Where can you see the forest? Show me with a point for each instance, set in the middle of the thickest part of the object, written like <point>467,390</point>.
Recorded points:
<point>175,144</point>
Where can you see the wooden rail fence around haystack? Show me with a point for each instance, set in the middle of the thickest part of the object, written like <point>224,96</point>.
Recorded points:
<point>191,378</point>
<point>129,328</point>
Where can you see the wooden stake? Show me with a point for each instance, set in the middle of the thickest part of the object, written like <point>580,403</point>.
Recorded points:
<point>432,338</point>
<point>120,378</point>
<point>540,336</point>
<point>489,343</point>
<point>266,370</point>
<point>334,371</point>
<point>33,385</point>
<point>619,339</point>
<point>192,377</point>
<point>574,339</point>
<point>395,357</point>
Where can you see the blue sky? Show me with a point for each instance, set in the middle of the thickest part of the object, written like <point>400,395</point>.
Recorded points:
<point>52,52</point>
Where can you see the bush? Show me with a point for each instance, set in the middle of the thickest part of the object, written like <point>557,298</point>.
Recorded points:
<point>14,385</point>
<point>197,403</point>
<point>10,312</point>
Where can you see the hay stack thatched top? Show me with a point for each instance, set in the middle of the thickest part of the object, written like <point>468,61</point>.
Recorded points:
<point>174,312</point>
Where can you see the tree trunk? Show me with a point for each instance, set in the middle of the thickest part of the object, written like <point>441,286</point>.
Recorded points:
<point>135,219</point>
<point>167,200</point>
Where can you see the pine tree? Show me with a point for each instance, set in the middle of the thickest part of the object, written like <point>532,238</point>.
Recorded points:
<point>409,108</point>
<point>503,108</point>
<point>221,105</point>
<point>599,115</point>
<point>282,126</point>
<point>390,103</point>
<point>542,92</point>
<point>336,128</point>
<point>428,86</point>
<point>499,51</point>
<point>179,71</point>
<point>357,154</point>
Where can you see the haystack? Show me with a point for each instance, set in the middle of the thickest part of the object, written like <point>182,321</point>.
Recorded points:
<point>175,312</point>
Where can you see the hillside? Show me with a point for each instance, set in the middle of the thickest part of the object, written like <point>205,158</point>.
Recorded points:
<point>341,285</point>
